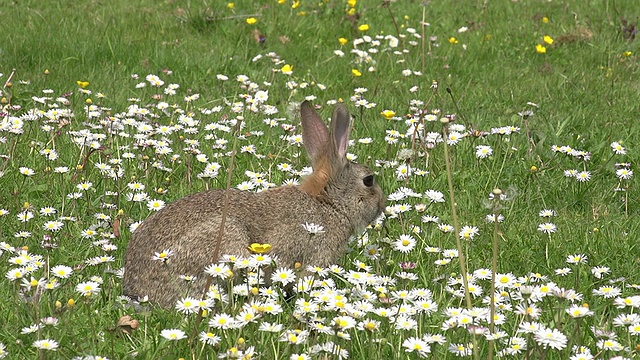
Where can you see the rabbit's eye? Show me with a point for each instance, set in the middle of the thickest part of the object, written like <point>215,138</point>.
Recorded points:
<point>368,181</point>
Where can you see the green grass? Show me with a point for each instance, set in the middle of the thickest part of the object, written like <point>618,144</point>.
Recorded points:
<point>585,89</point>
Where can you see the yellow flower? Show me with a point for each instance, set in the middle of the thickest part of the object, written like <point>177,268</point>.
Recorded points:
<point>388,114</point>
<point>352,3</point>
<point>287,69</point>
<point>71,303</point>
<point>363,27</point>
<point>627,53</point>
<point>453,40</point>
<point>356,73</point>
<point>545,19</point>
<point>282,1</point>
<point>231,5</point>
<point>82,84</point>
<point>548,39</point>
<point>351,11</point>
<point>343,41</point>
<point>533,168</point>
<point>252,20</point>
<point>88,101</point>
<point>541,49</point>
<point>295,4</point>
<point>259,248</point>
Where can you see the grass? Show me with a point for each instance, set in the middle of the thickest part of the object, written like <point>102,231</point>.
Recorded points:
<point>581,93</point>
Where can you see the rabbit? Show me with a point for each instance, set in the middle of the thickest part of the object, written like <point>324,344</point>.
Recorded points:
<point>339,195</point>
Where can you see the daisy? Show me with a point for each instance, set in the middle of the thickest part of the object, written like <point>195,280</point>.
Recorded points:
<point>547,213</point>
<point>416,344</point>
<point>599,271</point>
<point>269,327</point>
<point>550,338</point>
<point>434,196</point>
<point>88,288</point>
<point>45,344</point>
<point>219,271</point>
<point>222,321</point>
<point>547,228</point>
<point>27,172</point>
<point>483,151</point>
<point>404,244</point>
<point>173,334</point>
<point>583,176</point>
<point>468,232</point>
<point>578,311</point>
<point>624,174</point>
<point>47,211</point>
<point>86,185</point>
<point>61,271</point>
<point>576,259</point>
<point>617,148</point>
<point>607,292</point>
<point>284,276</point>
<point>53,225</point>
<point>188,305</point>
<point>313,229</point>
<point>209,338</point>
<point>163,256</point>
<point>369,325</point>
<point>155,205</point>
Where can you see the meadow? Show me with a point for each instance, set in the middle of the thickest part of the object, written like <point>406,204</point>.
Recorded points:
<point>504,135</point>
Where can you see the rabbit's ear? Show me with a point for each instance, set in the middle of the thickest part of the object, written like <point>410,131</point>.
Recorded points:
<point>314,132</point>
<point>340,127</point>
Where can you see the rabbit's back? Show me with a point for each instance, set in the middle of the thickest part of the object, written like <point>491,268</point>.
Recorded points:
<point>189,228</point>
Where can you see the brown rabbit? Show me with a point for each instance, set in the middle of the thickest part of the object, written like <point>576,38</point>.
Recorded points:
<point>339,195</point>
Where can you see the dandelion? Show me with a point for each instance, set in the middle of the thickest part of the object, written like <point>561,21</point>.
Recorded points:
<point>173,334</point>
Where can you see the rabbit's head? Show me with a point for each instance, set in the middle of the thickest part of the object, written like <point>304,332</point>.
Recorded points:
<point>350,187</point>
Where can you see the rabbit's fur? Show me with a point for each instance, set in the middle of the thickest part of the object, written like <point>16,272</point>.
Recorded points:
<point>339,195</point>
